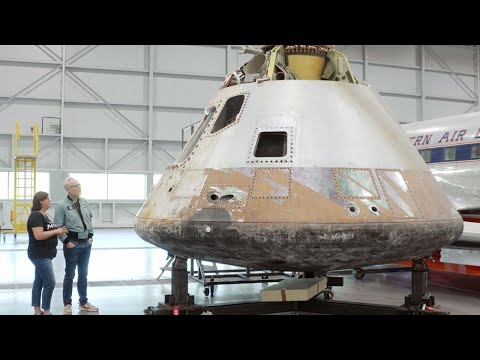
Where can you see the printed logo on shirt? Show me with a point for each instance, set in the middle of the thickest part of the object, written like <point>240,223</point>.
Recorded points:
<point>70,207</point>
<point>50,226</point>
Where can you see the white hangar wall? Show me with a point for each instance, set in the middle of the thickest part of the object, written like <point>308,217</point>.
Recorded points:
<point>420,82</point>
<point>122,108</point>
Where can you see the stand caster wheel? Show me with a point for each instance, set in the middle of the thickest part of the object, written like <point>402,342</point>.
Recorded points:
<point>359,273</point>
<point>328,294</point>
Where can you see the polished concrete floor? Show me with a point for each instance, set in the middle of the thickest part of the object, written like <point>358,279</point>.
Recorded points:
<point>123,280</point>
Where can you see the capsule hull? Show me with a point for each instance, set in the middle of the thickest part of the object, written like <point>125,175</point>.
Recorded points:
<point>295,247</point>
<point>299,175</point>
<point>302,219</point>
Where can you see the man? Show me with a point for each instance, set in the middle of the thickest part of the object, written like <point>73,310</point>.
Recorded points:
<point>74,213</point>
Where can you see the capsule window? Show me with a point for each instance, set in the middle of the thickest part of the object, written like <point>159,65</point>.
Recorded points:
<point>271,144</point>
<point>229,113</point>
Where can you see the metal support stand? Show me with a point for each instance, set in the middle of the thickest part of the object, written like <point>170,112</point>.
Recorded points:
<point>419,280</point>
<point>418,303</point>
<point>212,276</point>
<point>420,299</point>
<point>170,258</point>
<point>359,273</point>
<point>179,302</point>
<point>179,282</point>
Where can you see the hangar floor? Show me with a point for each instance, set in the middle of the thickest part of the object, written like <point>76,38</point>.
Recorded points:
<point>123,281</point>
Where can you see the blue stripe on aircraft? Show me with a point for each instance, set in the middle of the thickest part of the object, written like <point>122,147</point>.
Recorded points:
<point>462,153</point>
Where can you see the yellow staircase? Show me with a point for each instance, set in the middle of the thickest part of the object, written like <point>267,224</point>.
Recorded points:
<point>25,176</point>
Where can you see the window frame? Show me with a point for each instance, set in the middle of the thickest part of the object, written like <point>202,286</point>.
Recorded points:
<point>259,138</point>
<point>220,110</point>
<point>477,148</point>
<point>447,151</point>
<point>426,152</point>
<point>288,158</point>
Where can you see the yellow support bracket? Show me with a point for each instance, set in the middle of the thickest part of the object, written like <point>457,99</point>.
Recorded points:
<point>273,61</point>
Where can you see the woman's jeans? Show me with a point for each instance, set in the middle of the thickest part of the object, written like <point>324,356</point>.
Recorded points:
<point>44,279</point>
<point>79,255</point>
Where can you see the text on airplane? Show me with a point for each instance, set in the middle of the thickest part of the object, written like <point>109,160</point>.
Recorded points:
<point>447,137</point>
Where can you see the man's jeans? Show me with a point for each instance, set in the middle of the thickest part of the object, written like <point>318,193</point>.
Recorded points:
<point>44,278</point>
<point>79,255</point>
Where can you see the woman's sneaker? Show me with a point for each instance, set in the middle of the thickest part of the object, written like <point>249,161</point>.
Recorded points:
<point>87,307</point>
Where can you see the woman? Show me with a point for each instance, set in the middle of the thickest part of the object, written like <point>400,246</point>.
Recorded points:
<point>42,248</point>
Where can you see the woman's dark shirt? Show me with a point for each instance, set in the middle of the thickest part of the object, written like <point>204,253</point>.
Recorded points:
<point>41,249</point>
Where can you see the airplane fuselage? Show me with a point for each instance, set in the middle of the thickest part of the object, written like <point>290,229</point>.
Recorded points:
<point>451,147</point>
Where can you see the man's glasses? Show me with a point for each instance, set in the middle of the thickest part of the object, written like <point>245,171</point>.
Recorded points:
<point>77,186</point>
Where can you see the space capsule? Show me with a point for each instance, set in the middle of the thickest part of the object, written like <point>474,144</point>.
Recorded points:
<point>297,166</point>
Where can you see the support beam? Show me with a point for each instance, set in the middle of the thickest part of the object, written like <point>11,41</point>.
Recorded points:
<point>32,86</point>
<point>84,154</point>
<point>423,82</point>
<point>29,63</point>
<point>477,78</point>
<point>452,73</point>
<point>151,98</point>
<point>475,104</point>
<point>127,155</point>
<point>93,105</point>
<point>365,63</point>
<point>97,96</point>
<point>62,107</point>
<point>128,211</point>
<point>227,55</point>
<point>78,55</point>
<point>13,148</point>
<point>54,141</point>
<point>103,70</point>
<point>105,158</point>
<point>49,52</point>
<point>189,76</point>
<point>165,151</point>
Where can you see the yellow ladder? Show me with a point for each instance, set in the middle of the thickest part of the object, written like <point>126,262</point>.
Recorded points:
<point>25,175</point>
